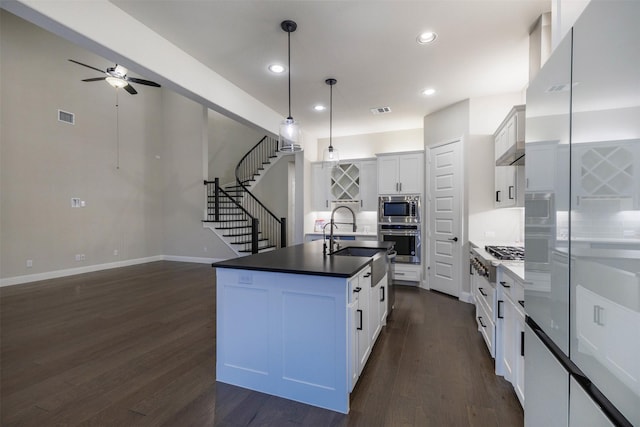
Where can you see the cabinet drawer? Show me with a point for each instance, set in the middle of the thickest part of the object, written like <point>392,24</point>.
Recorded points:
<point>485,296</point>
<point>486,327</point>
<point>408,272</point>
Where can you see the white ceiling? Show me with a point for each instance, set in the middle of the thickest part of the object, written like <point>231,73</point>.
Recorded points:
<point>368,46</point>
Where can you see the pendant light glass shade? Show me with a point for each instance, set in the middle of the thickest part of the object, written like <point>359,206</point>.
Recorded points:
<point>331,156</point>
<point>290,135</point>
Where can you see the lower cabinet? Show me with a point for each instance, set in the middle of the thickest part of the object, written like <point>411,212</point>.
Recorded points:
<point>407,272</point>
<point>510,320</point>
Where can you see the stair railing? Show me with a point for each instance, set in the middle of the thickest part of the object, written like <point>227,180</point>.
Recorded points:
<point>271,227</point>
<point>220,209</point>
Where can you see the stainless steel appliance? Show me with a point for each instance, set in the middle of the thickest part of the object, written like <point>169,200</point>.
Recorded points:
<point>399,209</point>
<point>583,313</point>
<point>406,238</point>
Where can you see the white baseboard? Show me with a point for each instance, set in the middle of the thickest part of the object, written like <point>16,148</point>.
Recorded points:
<point>28,278</point>
<point>466,297</point>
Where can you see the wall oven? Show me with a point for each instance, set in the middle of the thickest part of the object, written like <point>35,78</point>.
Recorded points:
<point>406,238</point>
<point>399,209</point>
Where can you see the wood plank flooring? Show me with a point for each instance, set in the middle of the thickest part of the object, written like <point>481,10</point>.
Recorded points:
<point>135,346</point>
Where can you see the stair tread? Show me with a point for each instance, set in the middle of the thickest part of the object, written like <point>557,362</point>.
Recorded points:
<point>259,249</point>
<point>244,242</point>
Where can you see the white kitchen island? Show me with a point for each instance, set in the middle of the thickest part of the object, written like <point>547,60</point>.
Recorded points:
<point>296,324</point>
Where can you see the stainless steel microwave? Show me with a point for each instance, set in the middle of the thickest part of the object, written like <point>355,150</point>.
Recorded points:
<point>399,209</point>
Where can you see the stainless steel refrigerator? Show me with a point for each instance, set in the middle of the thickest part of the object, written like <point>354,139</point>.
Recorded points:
<point>582,225</point>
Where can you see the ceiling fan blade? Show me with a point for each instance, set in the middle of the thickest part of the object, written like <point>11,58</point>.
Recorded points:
<point>143,81</point>
<point>88,66</point>
<point>95,79</point>
<point>130,89</point>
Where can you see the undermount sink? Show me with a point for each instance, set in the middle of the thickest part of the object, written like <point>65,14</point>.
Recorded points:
<point>378,263</point>
<point>364,252</point>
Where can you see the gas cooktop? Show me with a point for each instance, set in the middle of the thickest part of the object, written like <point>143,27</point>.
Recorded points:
<point>506,252</point>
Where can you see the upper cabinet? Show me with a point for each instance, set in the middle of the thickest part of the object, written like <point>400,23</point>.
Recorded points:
<point>509,155</point>
<point>400,173</point>
<point>350,180</point>
<point>509,138</point>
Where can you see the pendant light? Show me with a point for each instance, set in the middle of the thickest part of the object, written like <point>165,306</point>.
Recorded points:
<point>290,135</point>
<point>331,156</point>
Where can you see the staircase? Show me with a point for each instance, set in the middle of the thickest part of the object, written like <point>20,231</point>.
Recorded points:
<point>236,215</point>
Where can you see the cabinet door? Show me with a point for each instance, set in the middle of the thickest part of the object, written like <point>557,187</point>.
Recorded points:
<point>369,185</point>
<point>374,313</point>
<point>500,143</point>
<point>518,382</point>
<point>388,182</point>
<point>541,178</point>
<point>319,187</point>
<point>362,319</point>
<point>410,173</point>
<point>508,340</point>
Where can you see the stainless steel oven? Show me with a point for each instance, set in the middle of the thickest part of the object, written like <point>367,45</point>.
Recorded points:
<point>399,209</point>
<point>406,238</point>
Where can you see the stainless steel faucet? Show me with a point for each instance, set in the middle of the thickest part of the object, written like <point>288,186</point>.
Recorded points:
<point>332,224</point>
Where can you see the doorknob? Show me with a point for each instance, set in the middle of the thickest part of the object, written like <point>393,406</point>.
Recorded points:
<point>455,239</point>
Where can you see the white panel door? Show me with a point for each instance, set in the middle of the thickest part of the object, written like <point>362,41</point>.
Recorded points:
<point>445,218</point>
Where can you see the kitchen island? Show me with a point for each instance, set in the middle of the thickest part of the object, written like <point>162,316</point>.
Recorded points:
<point>299,324</point>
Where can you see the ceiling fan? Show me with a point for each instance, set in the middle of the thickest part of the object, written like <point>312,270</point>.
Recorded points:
<point>117,77</point>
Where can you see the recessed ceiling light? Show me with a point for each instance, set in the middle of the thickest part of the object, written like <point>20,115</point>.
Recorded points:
<point>428,92</point>
<point>276,68</point>
<point>319,107</point>
<point>427,37</point>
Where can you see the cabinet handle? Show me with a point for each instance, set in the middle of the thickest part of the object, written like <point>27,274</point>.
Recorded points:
<point>470,269</point>
<point>511,192</point>
<point>326,203</point>
<point>367,275</point>
<point>505,285</point>
<point>527,183</point>
<point>397,188</point>
<point>522,343</point>
<point>400,186</point>
<point>357,289</point>
<point>382,298</point>
<point>398,273</point>
<point>597,311</point>
<point>360,203</point>
<point>360,313</point>
<point>498,196</point>
<point>500,316</point>
<point>481,290</point>
<point>481,322</point>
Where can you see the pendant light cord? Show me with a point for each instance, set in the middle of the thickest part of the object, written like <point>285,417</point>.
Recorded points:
<point>289,65</point>
<point>331,117</point>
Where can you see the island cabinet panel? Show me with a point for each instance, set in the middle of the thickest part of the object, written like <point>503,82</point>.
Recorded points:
<point>285,335</point>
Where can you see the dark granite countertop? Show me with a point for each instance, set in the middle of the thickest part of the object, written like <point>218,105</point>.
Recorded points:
<point>306,258</point>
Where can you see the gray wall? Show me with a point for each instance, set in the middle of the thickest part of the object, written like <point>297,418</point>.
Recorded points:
<point>151,205</point>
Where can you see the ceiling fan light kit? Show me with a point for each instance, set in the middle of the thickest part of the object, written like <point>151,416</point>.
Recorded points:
<point>117,77</point>
<point>331,156</point>
<point>290,135</point>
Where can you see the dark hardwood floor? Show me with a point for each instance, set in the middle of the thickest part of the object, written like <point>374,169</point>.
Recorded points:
<point>135,346</point>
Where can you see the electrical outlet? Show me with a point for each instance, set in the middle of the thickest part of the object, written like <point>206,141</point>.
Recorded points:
<point>78,257</point>
<point>115,252</point>
<point>82,257</point>
<point>75,202</point>
<point>29,263</point>
<point>205,249</point>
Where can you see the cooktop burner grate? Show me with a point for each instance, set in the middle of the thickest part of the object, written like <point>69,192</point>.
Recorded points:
<point>506,252</point>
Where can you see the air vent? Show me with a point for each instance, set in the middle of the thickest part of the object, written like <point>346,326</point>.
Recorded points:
<point>64,116</point>
<point>381,110</point>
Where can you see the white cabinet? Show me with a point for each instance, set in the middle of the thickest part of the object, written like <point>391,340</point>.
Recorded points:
<point>509,137</point>
<point>354,180</point>
<point>320,196</point>
<point>377,308</point>
<point>510,330</point>
<point>509,183</point>
<point>369,185</point>
<point>484,296</point>
<point>400,173</point>
<point>359,335</point>
<point>407,272</point>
